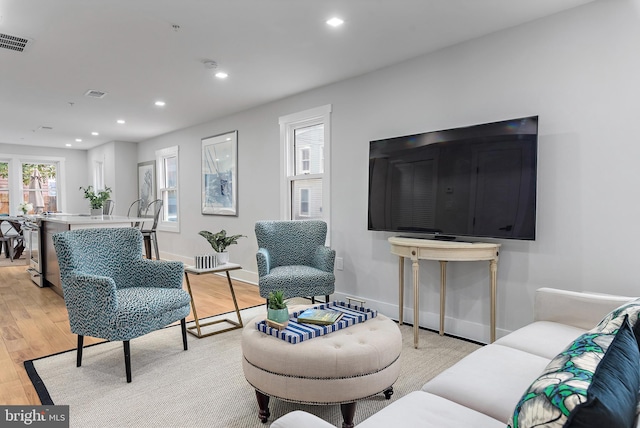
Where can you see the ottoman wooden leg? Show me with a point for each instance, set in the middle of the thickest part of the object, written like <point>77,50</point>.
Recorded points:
<point>348,412</point>
<point>388,392</point>
<point>263,404</point>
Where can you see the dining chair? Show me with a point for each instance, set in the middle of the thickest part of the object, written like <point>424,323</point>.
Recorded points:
<point>111,292</point>
<point>108,206</point>
<point>135,210</point>
<point>11,239</point>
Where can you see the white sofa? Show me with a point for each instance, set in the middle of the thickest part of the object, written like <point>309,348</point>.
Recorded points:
<point>483,388</point>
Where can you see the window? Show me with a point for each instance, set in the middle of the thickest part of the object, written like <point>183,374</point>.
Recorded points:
<point>98,175</point>
<point>304,158</point>
<point>304,202</point>
<point>167,161</point>
<point>39,186</point>
<point>305,142</point>
<point>30,179</point>
<point>4,187</point>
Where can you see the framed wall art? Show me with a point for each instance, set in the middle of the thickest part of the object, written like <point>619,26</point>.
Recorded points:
<point>219,174</point>
<point>146,182</point>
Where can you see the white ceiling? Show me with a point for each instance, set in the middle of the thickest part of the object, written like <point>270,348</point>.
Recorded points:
<point>270,48</point>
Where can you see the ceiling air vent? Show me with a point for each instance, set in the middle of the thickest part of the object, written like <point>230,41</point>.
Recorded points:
<point>13,43</point>
<point>92,93</point>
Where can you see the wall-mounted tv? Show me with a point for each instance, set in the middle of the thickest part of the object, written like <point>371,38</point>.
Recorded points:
<point>476,181</point>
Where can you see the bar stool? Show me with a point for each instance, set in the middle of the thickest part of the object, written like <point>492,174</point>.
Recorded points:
<point>149,235</point>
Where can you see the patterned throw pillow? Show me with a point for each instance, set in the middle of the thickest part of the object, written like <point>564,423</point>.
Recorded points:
<point>632,309</point>
<point>593,380</point>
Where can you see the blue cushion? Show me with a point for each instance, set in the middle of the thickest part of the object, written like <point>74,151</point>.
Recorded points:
<point>613,393</point>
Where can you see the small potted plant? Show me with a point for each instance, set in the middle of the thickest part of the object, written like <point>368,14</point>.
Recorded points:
<point>96,200</point>
<point>277,310</point>
<point>219,242</point>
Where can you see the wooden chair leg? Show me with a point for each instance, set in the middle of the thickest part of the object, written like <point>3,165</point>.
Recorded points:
<point>183,324</point>
<point>127,360</point>
<point>326,298</point>
<point>79,352</point>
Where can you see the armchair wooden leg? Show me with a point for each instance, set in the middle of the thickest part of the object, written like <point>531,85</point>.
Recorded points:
<point>183,324</point>
<point>326,298</point>
<point>79,355</point>
<point>313,300</point>
<point>127,359</point>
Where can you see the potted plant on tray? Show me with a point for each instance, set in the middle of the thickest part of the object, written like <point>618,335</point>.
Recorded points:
<point>219,242</point>
<point>96,200</point>
<point>277,310</point>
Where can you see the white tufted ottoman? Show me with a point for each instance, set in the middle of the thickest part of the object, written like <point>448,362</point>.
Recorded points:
<point>339,368</point>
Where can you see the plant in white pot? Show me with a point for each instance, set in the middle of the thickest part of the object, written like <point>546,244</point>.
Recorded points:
<point>277,310</point>
<point>219,242</point>
<point>96,200</point>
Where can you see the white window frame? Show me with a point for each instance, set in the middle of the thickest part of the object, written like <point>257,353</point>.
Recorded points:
<point>161,155</point>
<point>98,175</point>
<point>15,179</point>
<point>288,125</point>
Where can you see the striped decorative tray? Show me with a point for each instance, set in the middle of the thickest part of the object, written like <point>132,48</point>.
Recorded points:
<point>296,332</point>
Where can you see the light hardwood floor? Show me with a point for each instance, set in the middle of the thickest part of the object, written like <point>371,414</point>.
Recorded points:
<point>34,323</point>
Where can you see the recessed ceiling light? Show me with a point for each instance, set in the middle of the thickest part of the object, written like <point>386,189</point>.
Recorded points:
<point>121,121</point>
<point>335,22</point>
<point>95,134</point>
<point>68,145</point>
<point>160,103</point>
<point>221,75</point>
<point>78,140</point>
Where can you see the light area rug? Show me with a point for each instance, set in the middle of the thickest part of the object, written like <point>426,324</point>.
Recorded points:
<point>204,386</point>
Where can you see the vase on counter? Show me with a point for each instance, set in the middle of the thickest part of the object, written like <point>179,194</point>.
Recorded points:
<point>96,212</point>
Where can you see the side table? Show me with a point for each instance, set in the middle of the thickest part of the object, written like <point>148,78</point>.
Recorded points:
<point>198,327</point>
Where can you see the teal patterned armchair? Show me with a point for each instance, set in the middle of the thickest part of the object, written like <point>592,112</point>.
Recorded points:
<point>292,257</point>
<point>112,293</point>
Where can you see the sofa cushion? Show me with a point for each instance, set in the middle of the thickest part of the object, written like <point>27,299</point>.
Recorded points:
<point>543,338</point>
<point>489,380</point>
<point>593,383</point>
<point>421,409</point>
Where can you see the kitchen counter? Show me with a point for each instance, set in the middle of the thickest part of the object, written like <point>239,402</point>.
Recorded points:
<point>85,219</point>
<point>54,223</point>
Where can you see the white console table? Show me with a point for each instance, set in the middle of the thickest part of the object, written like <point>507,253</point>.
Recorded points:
<point>442,251</point>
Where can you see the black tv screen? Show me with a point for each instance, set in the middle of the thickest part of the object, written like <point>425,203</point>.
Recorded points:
<point>477,181</point>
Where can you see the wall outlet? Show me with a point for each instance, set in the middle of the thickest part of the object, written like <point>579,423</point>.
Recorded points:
<point>339,263</point>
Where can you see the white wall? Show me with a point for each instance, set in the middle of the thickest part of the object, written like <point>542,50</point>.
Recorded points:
<point>120,172</point>
<point>577,70</point>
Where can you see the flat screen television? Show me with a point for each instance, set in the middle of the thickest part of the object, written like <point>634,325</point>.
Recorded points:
<point>475,181</point>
